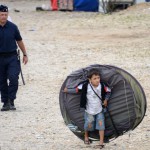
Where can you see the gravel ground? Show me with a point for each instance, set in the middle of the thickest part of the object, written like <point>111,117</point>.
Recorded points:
<point>57,44</point>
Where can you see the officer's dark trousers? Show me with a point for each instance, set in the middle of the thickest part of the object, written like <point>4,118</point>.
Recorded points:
<point>9,75</point>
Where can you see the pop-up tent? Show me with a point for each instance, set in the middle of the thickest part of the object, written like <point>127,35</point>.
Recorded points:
<point>126,107</point>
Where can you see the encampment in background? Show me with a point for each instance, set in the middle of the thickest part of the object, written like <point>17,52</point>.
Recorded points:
<point>104,6</point>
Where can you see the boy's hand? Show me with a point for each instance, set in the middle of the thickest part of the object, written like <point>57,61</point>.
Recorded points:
<point>105,103</point>
<point>65,90</point>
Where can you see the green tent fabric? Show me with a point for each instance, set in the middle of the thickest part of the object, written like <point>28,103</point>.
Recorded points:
<point>126,107</point>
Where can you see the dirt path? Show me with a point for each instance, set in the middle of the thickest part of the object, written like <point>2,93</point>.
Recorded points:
<point>57,44</point>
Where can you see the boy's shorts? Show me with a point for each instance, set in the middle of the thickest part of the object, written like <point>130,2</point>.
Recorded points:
<point>94,121</point>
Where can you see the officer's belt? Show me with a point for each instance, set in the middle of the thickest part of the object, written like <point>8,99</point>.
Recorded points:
<point>7,54</point>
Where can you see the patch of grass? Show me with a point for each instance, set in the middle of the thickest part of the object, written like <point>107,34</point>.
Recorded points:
<point>135,18</point>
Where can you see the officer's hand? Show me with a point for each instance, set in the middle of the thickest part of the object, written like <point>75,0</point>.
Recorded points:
<point>25,59</point>
<point>105,103</point>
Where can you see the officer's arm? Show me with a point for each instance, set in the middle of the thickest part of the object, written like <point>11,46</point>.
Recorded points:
<point>22,47</point>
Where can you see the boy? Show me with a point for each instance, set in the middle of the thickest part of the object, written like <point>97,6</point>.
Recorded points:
<point>94,94</point>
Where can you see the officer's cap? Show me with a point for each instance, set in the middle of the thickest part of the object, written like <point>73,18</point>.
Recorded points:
<point>3,8</point>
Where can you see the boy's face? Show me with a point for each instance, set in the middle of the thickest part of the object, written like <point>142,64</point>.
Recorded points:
<point>95,80</point>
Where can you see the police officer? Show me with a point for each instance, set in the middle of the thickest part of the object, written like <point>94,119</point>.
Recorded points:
<point>10,38</point>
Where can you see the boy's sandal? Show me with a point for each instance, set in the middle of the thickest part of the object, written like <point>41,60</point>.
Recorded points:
<point>87,142</point>
<point>101,146</point>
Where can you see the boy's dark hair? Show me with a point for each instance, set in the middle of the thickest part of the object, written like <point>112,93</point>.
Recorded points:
<point>93,72</point>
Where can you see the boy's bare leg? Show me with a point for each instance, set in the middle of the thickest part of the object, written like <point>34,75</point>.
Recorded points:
<point>86,135</point>
<point>101,134</point>
<point>86,138</point>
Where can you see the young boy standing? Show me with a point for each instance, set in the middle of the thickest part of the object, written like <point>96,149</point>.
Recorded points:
<point>94,94</point>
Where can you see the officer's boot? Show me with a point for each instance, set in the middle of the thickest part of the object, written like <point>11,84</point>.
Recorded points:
<point>12,105</point>
<point>6,106</point>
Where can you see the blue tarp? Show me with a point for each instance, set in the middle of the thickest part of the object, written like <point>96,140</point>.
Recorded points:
<point>86,5</point>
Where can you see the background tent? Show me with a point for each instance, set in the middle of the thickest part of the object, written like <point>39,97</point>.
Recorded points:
<point>126,107</point>
<point>86,5</point>
<point>65,5</point>
<point>54,4</point>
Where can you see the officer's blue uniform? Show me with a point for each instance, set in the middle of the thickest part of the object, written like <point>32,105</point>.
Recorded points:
<point>9,63</point>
